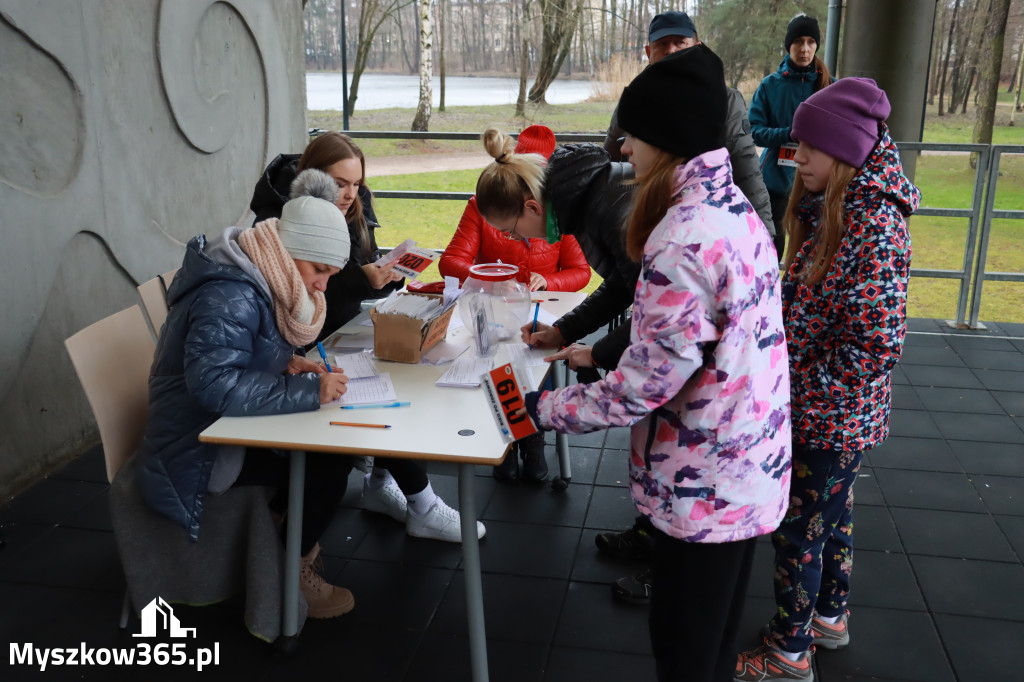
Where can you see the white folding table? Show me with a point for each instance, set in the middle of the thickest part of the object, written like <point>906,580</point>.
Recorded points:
<point>452,425</point>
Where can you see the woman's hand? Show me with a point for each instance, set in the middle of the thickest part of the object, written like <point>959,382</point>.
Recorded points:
<point>546,336</point>
<point>578,355</point>
<point>299,365</point>
<point>379,277</point>
<point>537,282</point>
<point>332,386</point>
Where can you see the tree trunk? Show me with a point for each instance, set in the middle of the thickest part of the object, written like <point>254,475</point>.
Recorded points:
<point>371,16</point>
<point>441,18</point>
<point>991,66</point>
<point>949,48</point>
<point>960,59</point>
<point>523,72</point>
<point>422,120</point>
<point>1020,84</point>
<point>559,19</point>
<point>935,59</point>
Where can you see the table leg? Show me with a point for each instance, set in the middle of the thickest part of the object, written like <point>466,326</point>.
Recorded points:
<point>471,571</point>
<point>293,536</point>
<point>561,439</point>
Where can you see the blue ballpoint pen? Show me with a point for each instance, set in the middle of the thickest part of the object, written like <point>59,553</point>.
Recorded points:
<point>533,330</point>
<point>320,347</point>
<point>364,407</point>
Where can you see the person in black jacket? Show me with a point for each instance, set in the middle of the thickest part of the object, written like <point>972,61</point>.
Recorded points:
<point>398,488</point>
<point>670,32</point>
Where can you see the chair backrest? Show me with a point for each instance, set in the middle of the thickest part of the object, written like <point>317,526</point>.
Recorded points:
<point>112,358</point>
<point>154,299</point>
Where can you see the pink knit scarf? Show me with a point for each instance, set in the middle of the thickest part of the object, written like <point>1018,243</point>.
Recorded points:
<point>263,247</point>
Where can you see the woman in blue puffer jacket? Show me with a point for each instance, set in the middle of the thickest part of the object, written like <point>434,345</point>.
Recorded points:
<point>800,74</point>
<point>240,306</point>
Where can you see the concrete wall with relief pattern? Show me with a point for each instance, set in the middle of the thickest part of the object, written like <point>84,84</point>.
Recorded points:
<point>125,129</point>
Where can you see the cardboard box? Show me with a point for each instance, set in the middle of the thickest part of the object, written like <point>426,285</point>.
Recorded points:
<point>406,339</point>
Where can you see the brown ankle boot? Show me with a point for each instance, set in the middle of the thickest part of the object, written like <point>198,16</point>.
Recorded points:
<point>324,600</point>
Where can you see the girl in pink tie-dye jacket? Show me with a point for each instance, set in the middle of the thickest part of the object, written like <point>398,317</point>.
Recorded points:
<point>705,381</point>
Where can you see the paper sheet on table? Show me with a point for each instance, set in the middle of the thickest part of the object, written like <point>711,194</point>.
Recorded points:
<point>356,365</point>
<point>352,342</point>
<point>376,389</point>
<point>543,316</point>
<point>524,357</point>
<point>465,371</point>
<point>444,351</point>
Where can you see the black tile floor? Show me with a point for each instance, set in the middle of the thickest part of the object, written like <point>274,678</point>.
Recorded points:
<point>938,587</point>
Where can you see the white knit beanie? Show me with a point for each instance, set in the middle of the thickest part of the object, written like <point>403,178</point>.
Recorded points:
<point>312,227</point>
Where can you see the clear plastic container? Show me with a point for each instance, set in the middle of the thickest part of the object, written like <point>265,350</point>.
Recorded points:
<point>493,305</point>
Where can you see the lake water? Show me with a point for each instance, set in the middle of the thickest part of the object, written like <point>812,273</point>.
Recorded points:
<point>386,91</point>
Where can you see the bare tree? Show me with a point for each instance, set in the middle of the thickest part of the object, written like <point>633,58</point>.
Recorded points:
<point>372,14</point>
<point>558,22</point>
<point>991,66</point>
<point>422,118</point>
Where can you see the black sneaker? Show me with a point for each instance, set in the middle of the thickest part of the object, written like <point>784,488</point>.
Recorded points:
<point>635,589</point>
<point>635,544</point>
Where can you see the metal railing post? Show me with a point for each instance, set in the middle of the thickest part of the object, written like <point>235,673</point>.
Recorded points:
<point>981,181</point>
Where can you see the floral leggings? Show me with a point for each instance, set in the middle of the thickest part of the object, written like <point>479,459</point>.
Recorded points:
<point>814,544</point>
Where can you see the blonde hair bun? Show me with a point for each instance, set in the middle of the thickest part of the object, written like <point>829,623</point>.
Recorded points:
<point>499,146</point>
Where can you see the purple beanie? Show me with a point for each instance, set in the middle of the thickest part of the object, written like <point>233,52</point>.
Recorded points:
<point>842,119</point>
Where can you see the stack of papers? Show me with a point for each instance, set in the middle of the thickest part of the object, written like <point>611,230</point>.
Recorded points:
<point>465,372</point>
<point>410,305</point>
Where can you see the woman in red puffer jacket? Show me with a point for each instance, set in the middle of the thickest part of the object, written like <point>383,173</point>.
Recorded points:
<point>552,267</point>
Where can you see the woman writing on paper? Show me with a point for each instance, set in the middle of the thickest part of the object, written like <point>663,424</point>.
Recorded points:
<point>239,307</point>
<point>542,266</point>
<point>398,488</point>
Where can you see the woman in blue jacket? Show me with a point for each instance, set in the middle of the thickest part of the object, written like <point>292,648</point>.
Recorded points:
<point>800,74</point>
<point>240,306</point>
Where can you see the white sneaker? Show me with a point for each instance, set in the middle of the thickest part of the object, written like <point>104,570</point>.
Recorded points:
<point>440,523</point>
<point>387,499</point>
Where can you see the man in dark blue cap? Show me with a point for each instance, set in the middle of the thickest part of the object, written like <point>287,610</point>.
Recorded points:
<point>671,32</point>
<point>674,31</point>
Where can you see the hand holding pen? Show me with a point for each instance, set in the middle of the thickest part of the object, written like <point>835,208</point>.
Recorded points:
<point>323,354</point>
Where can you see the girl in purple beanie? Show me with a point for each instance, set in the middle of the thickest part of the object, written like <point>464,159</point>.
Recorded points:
<point>844,305</point>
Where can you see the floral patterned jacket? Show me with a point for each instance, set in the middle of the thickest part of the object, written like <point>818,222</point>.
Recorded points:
<point>705,381</point>
<point>846,332</point>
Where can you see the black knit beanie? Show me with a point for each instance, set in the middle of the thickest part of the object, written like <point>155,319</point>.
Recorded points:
<point>679,103</point>
<point>802,25</point>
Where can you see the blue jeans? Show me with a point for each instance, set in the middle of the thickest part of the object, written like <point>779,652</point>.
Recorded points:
<point>814,544</point>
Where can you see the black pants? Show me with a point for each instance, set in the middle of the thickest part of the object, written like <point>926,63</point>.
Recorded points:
<point>410,475</point>
<point>326,476</point>
<point>697,596</point>
<point>779,203</point>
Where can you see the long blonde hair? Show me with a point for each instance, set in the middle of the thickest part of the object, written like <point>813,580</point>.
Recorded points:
<point>831,225</point>
<point>651,201</point>
<point>506,181</point>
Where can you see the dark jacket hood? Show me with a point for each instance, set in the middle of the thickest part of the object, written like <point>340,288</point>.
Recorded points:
<point>883,172</point>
